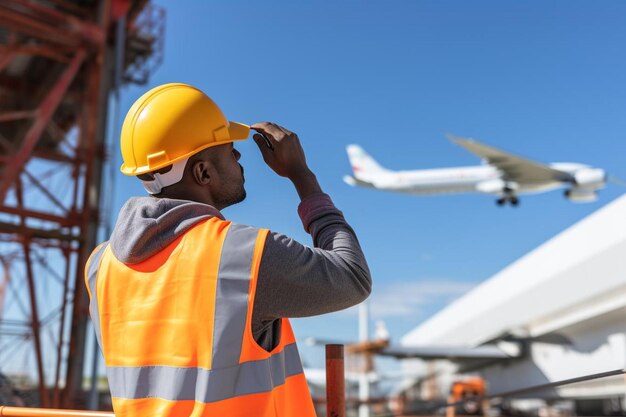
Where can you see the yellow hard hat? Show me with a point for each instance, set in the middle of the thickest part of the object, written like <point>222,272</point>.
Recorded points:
<point>171,122</point>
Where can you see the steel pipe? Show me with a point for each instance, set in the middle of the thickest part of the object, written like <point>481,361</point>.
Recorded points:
<point>335,382</point>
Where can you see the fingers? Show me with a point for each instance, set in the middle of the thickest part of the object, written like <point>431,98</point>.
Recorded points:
<point>265,139</point>
<point>265,150</point>
<point>271,130</point>
<point>286,131</point>
<point>269,136</point>
<point>285,154</point>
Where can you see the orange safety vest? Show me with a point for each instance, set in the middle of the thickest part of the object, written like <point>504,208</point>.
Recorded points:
<point>176,330</point>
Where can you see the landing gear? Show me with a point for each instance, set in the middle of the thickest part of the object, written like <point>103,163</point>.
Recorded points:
<point>513,200</point>
<point>508,194</point>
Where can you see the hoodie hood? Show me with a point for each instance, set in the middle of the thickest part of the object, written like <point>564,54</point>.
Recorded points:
<point>146,225</point>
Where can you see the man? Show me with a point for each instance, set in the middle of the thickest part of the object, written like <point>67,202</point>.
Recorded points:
<point>190,309</point>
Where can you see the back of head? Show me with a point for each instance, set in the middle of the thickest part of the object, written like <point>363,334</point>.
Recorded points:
<point>166,126</point>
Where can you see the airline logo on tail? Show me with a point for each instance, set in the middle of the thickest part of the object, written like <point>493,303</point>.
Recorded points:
<point>362,163</point>
<point>365,169</point>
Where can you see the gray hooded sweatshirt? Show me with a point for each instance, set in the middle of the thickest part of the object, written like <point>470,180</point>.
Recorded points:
<point>294,280</point>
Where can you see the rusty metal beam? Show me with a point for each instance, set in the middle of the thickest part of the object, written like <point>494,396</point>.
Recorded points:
<point>32,293</point>
<point>5,280</point>
<point>93,128</point>
<point>70,6</point>
<point>45,191</point>
<point>15,229</point>
<point>40,242</point>
<point>45,23</point>
<point>52,156</point>
<point>5,59</point>
<point>89,31</point>
<point>20,23</point>
<point>56,397</point>
<point>16,115</point>
<point>38,50</point>
<point>44,113</point>
<point>40,215</point>
<point>6,144</point>
<point>56,30</point>
<point>35,325</point>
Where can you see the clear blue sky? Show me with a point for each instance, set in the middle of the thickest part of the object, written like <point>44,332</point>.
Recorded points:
<point>543,79</point>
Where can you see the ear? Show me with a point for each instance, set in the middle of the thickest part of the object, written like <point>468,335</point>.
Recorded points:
<point>200,172</point>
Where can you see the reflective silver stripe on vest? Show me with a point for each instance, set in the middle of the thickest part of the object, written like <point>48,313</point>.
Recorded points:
<point>204,385</point>
<point>92,275</point>
<point>231,302</point>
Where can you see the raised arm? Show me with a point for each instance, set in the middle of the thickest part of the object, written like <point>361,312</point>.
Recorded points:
<point>297,280</point>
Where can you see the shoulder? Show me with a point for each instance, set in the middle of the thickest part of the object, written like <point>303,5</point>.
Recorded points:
<point>242,234</point>
<point>97,253</point>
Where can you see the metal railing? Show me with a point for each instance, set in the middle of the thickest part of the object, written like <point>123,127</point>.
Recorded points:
<point>484,401</point>
<point>49,412</point>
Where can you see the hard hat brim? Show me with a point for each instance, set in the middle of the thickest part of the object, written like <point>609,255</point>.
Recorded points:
<point>236,132</point>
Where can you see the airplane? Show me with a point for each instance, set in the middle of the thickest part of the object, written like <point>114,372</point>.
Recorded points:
<point>502,174</point>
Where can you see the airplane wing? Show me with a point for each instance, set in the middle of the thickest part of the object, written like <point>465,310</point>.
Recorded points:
<point>514,168</point>
<point>453,353</point>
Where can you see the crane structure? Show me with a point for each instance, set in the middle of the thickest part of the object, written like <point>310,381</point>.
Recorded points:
<point>60,62</point>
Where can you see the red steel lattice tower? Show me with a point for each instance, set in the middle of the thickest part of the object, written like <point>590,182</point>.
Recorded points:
<point>60,61</point>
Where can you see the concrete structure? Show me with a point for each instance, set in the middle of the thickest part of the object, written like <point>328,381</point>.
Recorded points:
<point>567,298</point>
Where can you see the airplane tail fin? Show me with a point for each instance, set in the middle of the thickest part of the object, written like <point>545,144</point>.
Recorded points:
<point>363,165</point>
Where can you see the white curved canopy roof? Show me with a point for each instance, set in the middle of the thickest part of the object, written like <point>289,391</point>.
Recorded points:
<point>577,274</point>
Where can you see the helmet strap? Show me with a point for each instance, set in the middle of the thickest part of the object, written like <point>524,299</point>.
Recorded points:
<point>166,179</point>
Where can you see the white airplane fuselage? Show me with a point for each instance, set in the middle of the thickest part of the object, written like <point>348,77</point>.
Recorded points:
<point>435,181</point>
<point>448,180</point>
<point>504,176</point>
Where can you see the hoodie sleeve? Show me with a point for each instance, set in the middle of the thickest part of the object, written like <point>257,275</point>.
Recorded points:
<point>299,281</point>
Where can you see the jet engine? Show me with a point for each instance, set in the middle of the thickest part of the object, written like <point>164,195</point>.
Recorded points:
<point>581,195</point>
<point>592,178</point>
<point>585,185</point>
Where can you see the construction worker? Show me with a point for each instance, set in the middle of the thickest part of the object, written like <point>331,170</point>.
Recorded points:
<point>191,310</point>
